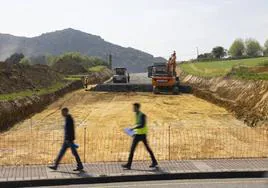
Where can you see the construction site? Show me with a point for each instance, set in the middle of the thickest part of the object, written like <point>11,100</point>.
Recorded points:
<point>180,126</point>
<point>134,94</point>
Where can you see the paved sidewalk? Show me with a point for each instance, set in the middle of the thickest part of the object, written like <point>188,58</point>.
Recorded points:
<point>112,172</point>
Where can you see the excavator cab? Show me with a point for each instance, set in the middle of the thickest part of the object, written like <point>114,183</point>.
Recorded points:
<point>159,69</point>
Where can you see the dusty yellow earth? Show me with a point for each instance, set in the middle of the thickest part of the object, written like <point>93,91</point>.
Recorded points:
<point>181,127</point>
<point>114,110</point>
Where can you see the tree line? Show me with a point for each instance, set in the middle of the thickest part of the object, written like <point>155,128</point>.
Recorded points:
<point>239,49</point>
<point>87,61</point>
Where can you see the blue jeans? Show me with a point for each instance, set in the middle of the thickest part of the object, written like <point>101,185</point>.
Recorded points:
<point>65,146</point>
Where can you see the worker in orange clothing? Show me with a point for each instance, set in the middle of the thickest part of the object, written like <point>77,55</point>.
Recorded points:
<point>86,82</point>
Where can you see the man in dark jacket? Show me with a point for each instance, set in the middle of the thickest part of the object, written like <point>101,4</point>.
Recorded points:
<point>69,137</point>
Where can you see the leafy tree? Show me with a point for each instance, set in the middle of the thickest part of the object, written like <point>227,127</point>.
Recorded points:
<point>265,52</point>
<point>205,56</point>
<point>25,61</point>
<point>50,60</point>
<point>15,58</point>
<point>38,60</point>
<point>253,48</point>
<point>218,52</point>
<point>85,61</point>
<point>237,49</point>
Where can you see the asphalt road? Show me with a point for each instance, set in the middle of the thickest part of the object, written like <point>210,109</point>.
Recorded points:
<point>137,78</point>
<point>215,183</point>
<point>140,78</point>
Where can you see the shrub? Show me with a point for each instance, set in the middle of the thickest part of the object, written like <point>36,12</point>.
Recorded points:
<point>25,61</point>
<point>15,58</point>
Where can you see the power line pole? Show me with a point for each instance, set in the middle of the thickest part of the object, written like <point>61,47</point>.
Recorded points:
<point>110,61</point>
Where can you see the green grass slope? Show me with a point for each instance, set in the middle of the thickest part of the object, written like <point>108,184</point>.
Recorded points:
<point>254,68</point>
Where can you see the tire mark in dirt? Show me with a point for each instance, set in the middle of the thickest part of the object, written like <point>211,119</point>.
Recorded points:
<point>84,122</point>
<point>107,107</point>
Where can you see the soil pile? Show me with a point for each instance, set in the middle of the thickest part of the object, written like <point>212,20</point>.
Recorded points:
<point>17,110</point>
<point>18,77</point>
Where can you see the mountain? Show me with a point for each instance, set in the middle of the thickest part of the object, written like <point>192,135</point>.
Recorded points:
<point>71,40</point>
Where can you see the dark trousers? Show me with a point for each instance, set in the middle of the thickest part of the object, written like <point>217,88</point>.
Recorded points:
<point>136,140</point>
<point>65,146</point>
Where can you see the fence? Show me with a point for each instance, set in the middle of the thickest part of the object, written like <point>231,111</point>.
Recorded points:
<point>112,145</point>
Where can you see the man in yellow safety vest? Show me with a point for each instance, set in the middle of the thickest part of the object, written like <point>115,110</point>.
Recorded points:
<point>140,130</point>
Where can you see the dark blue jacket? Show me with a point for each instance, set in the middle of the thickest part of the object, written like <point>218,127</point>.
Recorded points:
<point>69,133</point>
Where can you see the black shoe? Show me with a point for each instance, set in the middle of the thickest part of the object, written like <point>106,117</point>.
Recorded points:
<point>126,166</point>
<point>53,167</point>
<point>153,166</point>
<point>78,169</point>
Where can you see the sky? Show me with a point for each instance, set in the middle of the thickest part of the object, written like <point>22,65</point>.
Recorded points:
<point>154,26</point>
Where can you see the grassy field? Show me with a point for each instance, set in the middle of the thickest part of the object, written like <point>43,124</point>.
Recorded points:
<point>97,68</point>
<point>28,93</point>
<point>73,77</point>
<point>222,68</point>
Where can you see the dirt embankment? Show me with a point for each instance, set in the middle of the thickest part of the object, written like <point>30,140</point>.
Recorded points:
<point>247,99</point>
<point>17,110</point>
<point>18,77</point>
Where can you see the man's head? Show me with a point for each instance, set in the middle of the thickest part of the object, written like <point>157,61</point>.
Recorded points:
<point>64,112</point>
<point>136,107</point>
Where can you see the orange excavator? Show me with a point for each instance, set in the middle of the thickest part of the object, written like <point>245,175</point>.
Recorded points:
<point>164,76</point>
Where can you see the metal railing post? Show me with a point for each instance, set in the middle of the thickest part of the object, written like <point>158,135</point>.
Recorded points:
<point>169,143</point>
<point>31,121</point>
<point>85,131</point>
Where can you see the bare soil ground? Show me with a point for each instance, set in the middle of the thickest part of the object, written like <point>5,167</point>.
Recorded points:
<point>181,127</point>
<point>106,110</point>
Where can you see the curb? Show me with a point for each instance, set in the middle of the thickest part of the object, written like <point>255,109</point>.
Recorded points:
<point>129,178</point>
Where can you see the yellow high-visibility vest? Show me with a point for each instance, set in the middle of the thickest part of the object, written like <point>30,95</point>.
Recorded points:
<point>140,131</point>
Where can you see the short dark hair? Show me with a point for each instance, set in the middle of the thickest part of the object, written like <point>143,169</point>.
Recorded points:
<point>137,105</point>
<point>65,110</point>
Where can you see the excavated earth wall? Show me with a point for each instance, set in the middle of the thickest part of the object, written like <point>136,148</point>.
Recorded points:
<point>17,110</point>
<point>247,99</point>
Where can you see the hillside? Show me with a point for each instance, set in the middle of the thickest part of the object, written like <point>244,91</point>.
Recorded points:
<point>253,68</point>
<point>70,40</point>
